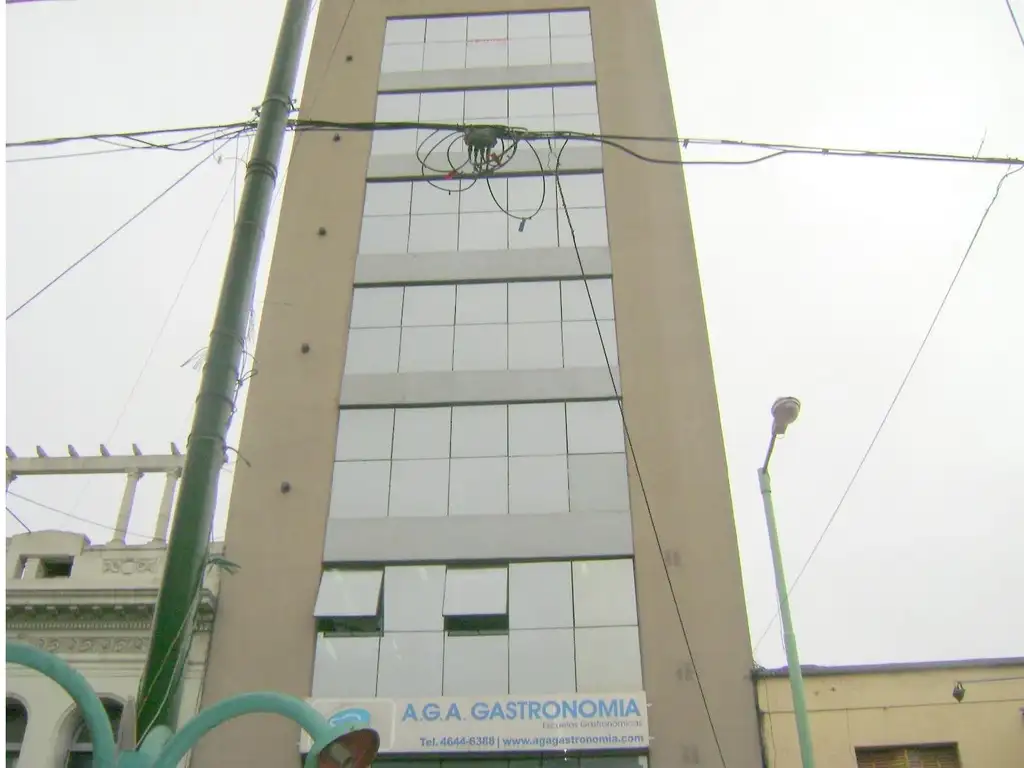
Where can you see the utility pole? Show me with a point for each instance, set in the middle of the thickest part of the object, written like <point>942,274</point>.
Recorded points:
<point>192,523</point>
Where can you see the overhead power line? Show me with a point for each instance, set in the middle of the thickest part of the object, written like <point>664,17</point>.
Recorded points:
<point>1016,24</point>
<point>895,399</point>
<point>142,140</point>
<point>19,520</point>
<point>69,515</point>
<point>108,238</point>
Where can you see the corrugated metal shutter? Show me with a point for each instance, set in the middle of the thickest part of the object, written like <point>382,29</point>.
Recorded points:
<point>909,757</point>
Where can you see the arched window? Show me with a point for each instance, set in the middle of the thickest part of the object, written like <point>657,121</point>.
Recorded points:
<point>17,722</point>
<point>80,752</point>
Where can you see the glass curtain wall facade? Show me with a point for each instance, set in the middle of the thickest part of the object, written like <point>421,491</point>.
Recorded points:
<point>443,535</point>
<point>503,630</point>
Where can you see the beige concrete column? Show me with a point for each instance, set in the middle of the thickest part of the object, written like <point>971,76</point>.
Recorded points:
<point>124,514</point>
<point>163,518</point>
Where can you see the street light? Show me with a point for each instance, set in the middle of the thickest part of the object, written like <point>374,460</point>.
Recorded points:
<point>784,413</point>
<point>333,747</point>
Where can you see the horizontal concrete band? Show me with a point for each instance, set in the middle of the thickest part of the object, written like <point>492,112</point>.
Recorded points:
<point>479,266</point>
<point>579,155</point>
<point>463,539</point>
<point>486,77</point>
<point>460,387</point>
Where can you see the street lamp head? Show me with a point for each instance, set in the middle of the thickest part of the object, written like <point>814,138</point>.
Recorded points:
<point>355,749</point>
<point>958,692</point>
<point>784,412</point>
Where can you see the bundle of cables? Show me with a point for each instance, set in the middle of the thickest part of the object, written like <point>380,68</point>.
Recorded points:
<point>456,160</point>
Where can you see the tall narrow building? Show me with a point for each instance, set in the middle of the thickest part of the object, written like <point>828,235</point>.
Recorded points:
<point>442,526</point>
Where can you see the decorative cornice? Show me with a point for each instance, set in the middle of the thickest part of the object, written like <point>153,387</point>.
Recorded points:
<point>86,610</point>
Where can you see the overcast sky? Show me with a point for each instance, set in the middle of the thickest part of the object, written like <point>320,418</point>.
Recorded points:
<point>821,276</point>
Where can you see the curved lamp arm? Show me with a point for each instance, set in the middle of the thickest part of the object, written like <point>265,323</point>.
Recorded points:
<point>178,745</point>
<point>89,705</point>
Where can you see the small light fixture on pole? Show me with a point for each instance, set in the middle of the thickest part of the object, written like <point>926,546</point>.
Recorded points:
<point>784,412</point>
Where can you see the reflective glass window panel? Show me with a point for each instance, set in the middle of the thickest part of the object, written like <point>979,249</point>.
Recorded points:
<point>534,302</point>
<point>476,592</point>
<point>479,430</point>
<point>604,593</point>
<point>419,488</point>
<point>541,661</point>
<point>528,25</point>
<point>446,29</point>
<point>478,487</point>
<point>572,50</point>
<point>345,667</point>
<point>344,594</point>
<point>582,298</point>
<point>422,433</point>
<point>410,664</point>
<point>475,665</point>
<point>595,646</point>
<point>488,27</point>
<point>487,53</point>
<point>384,234</point>
<point>570,23</point>
<point>359,489</point>
<point>405,31</point>
<point>373,350</point>
<point>481,348</point>
<point>434,233</point>
<point>594,426</point>
<point>536,429</point>
<point>535,346</point>
<point>402,57</point>
<point>413,597</point>
<point>588,225</point>
<point>598,483</point>
<point>481,303</point>
<point>583,190</point>
<point>529,52</point>
<point>587,344</point>
<point>364,433</point>
<point>429,305</point>
<point>540,595</point>
<point>437,56</point>
<point>377,308</point>
<point>538,485</point>
<point>393,198</point>
<point>426,349</point>
<point>575,100</point>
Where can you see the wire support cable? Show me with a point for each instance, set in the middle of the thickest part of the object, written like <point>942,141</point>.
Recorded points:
<point>892,403</point>
<point>71,516</point>
<point>111,236</point>
<point>560,201</point>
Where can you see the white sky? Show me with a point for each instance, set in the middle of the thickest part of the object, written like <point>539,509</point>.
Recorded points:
<point>821,276</point>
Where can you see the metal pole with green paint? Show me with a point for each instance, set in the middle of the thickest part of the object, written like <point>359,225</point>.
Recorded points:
<point>784,412</point>
<point>215,405</point>
<point>333,747</point>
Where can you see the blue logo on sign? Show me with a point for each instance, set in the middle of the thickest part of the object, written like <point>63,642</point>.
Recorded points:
<point>352,719</point>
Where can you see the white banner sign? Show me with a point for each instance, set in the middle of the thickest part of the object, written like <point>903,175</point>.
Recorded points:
<point>571,722</point>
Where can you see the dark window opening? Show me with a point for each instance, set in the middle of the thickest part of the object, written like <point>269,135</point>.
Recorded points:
<point>350,625</point>
<point>55,567</point>
<point>476,625</point>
